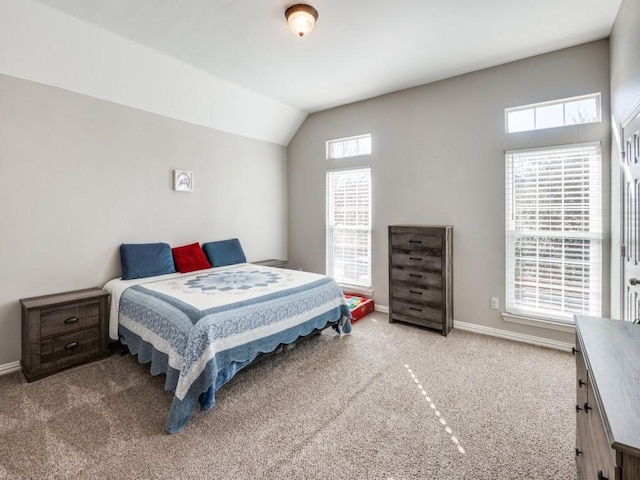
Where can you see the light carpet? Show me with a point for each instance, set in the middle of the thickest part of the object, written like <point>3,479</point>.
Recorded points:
<point>389,401</point>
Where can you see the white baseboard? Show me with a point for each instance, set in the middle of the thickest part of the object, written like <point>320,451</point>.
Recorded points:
<point>517,337</point>
<point>495,332</point>
<point>381,308</point>
<point>9,368</point>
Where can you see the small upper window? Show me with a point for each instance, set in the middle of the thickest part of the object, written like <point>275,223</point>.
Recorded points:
<point>557,113</point>
<point>349,147</point>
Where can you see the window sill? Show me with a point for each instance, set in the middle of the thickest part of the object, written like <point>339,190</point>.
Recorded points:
<point>537,322</point>
<point>367,292</point>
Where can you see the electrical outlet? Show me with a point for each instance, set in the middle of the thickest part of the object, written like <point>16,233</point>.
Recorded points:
<point>495,303</point>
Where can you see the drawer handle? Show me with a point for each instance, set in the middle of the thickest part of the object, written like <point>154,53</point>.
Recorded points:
<point>581,383</point>
<point>415,292</point>
<point>415,309</point>
<point>578,452</point>
<point>71,345</point>
<point>71,320</point>
<point>415,241</point>
<point>601,475</point>
<point>574,351</point>
<point>415,275</point>
<point>415,258</point>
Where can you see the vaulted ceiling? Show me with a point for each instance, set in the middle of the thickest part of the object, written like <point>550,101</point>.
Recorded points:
<point>359,48</point>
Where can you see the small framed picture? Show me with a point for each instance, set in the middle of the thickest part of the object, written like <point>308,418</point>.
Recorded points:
<point>182,181</point>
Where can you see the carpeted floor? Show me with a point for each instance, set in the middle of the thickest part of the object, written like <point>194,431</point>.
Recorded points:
<point>390,401</point>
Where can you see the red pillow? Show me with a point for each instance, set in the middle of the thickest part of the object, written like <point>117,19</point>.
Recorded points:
<point>189,258</point>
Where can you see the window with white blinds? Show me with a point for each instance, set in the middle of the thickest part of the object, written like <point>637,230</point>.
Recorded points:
<point>349,226</point>
<point>554,231</point>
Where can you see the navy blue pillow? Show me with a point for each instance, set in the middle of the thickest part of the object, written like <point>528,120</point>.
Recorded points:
<point>224,252</point>
<point>140,260</point>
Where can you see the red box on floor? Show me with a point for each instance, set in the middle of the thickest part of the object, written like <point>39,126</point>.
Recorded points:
<point>359,306</point>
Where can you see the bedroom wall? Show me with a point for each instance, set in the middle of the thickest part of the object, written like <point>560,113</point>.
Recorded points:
<point>625,95</point>
<point>81,175</point>
<point>438,158</point>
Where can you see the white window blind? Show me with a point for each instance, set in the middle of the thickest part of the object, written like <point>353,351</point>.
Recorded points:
<point>349,226</point>
<point>554,232</point>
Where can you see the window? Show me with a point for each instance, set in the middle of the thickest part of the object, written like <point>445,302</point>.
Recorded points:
<point>554,232</point>
<point>349,226</point>
<point>349,147</point>
<point>557,113</point>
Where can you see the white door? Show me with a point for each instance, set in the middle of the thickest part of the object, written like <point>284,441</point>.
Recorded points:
<point>630,222</point>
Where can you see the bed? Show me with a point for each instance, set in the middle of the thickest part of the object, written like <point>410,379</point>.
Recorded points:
<point>200,328</point>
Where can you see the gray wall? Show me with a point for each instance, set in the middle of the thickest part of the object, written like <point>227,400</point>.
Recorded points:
<point>625,63</point>
<point>80,176</point>
<point>438,158</point>
<point>625,94</point>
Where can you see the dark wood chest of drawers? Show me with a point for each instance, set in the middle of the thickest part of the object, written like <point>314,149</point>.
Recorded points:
<point>63,330</point>
<point>607,399</point>
<point>421,275</point>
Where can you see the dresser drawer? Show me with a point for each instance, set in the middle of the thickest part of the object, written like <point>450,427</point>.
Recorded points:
<point>55,348</point>
<point>55,321</point>
<point>417,278</point>
<point>418,311</point>
<point>415,241</point>
<point>597,451</point>
<point>582,378</point>
<point>420,261</point>
<point>416,294</point>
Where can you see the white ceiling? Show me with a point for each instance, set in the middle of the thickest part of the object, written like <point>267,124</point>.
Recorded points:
<point>359,48</point>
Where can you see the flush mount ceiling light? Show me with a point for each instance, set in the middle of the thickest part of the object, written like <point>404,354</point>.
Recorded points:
<point>301,18</point>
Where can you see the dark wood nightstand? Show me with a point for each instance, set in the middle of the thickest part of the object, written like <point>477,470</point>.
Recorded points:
<point>63,330</point>
<point>272,262</point>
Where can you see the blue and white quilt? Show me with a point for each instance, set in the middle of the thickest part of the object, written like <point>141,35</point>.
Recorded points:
<point>201,328</point>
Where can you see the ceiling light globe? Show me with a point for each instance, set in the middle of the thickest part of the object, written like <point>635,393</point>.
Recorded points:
<point>301,18</point>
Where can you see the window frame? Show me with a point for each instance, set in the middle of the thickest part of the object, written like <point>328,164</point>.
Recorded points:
<point>345,141</point>
<point>561,101</point>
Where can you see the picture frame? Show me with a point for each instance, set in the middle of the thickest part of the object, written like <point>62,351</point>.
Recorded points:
<point>182,181</point>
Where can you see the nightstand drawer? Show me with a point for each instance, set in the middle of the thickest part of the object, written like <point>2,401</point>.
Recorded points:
<point>54,321</point>
<point>55,348</point>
